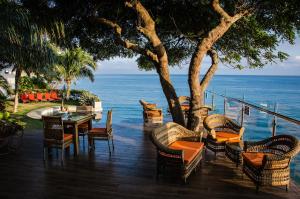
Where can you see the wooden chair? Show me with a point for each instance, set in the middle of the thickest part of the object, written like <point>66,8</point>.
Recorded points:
<point>54,136</point>
<point>267,162</point>
<point>83,129</point>
<point>102,133</point>
<point>221,130</point>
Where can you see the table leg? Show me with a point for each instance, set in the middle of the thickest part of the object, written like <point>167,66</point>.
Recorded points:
<point>76,148</point>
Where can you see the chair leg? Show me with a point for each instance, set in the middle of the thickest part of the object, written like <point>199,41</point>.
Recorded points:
<point>45,154</point>
<point>287,187</point>
<point>108,146</point>
<point>62,156</point>
<point>112,141</point>
<point>257,189</point>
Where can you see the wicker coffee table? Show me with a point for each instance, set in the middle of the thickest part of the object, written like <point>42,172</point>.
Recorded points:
<point>234,151</point>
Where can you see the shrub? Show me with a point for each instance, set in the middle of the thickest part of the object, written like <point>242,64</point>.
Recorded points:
<point>87,99</point>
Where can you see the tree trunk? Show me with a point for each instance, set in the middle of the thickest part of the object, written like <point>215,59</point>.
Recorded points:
<point>17,79</point>
<point>170,94</point>
<point>194,120</point>
<point>68,84</point>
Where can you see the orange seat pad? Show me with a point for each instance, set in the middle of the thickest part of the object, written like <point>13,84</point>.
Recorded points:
<point>185,107</point>
<point>67,137</point>
<point>255,158</point>
<point>84,125</point>
<point>227,137</point>
<point>191,149</point>
<point>95,131</point>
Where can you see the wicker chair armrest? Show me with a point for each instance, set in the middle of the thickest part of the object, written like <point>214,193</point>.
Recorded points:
<point>276,162</point>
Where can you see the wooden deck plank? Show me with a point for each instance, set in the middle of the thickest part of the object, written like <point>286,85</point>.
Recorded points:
<point>128,173</point>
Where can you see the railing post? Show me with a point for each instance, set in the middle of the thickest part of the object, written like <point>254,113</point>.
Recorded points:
<point>243,111</point>
<point>225,101</point>
<point>274,121</point>
<point>212,101</point>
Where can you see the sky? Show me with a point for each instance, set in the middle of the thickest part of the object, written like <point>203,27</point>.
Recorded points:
<point>291,66</point>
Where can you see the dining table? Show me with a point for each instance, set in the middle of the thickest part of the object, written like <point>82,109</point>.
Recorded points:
<point>73,120</point>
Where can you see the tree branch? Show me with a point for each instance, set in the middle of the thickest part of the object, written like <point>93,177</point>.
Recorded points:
<point>217,7</point>
<point>126,43</point>
<point>211,71</point>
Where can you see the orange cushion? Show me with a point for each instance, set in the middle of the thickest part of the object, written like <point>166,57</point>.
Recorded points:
<point>153,113</point>
<point>191,149</point>
<point>227,137</point>
<point>97,131</point>
<point>185,107</point>
<point>254,158</point>
<point>68,137</point>
<point>84,125</point>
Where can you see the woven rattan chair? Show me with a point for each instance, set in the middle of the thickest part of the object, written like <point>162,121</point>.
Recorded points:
<point>54,136</point>
<point>178,150</point>
<point>220,130</point>
<point>267,162</point>
<point>102,134</point>
<point>151,114</point>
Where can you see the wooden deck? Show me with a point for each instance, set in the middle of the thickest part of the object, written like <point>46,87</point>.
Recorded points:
<point>128,173</point>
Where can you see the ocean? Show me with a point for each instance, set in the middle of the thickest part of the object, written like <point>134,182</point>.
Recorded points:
<point>281,93</point>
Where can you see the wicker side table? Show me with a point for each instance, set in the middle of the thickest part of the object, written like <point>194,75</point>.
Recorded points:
<point>234,151</point>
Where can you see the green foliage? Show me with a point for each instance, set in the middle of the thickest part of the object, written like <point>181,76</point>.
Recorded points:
<point>32,83</point>
<point>88,99</point>
<point>180,25</point>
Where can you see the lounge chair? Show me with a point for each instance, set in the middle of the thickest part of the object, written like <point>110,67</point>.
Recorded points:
<point>220,131</point>
<point>267,162</point>
<point>47,97</point>
<point>39,97</point>
<point>31,97</point>
<point>24,98</point>
<point>53,95</point>
<point>179,150</point>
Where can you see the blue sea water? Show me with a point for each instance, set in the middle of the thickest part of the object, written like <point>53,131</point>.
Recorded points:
<point>123,92</point>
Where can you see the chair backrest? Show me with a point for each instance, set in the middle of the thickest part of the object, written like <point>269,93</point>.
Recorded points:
<point>147,106</point>
<point>284,144</point>
<point>53,95</point>
<point>109,122</point>
<point>47,96</point>
<point>39,96</point>
<point>53,128</point>
<point>24,96</point>
<point>84,108</point>
<point>170,132</point>
<point>217,122</point>
<point>31,96</point>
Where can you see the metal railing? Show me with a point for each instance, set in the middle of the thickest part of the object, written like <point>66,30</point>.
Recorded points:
<point>261,120</point>
<point>245,104</point>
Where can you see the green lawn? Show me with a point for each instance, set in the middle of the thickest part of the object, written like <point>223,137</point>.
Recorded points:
<point>23,109</point>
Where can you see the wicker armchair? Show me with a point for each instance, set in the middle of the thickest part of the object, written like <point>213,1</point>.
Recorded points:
<point>267,162</point>
<point>178,150</point>
<point>151,114</point>
<point>220,131</point>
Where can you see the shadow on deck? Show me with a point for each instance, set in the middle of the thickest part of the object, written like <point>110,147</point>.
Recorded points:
<point>128,173</point>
